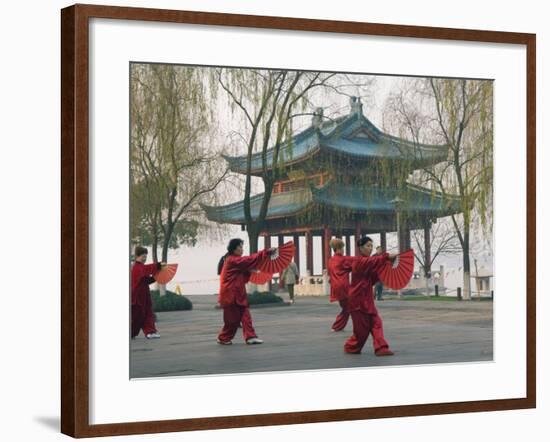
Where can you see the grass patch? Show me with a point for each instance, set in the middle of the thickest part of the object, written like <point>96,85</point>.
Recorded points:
<point>431,298</point>
<point>170,302</point>
<point>264,298</point>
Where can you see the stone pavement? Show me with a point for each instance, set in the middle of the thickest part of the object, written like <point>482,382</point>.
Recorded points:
<point>298,337</point>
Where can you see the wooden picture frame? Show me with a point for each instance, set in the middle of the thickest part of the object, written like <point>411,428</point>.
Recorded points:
<point>75,216</point>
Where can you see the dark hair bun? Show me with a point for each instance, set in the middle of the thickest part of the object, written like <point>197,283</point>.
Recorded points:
<point>139,250</point>
<point>363,240</point>
<point>233,244</point>
<point>231,247</point>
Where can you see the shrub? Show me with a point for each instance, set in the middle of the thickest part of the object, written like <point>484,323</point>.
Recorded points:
<point>170,302</point>
<point>263,298</point>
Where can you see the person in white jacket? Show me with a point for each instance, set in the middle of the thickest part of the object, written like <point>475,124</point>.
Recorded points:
<point>289,277</point>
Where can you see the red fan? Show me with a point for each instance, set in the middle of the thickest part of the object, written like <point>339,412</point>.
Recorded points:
<point>397,275</point>
<point>259,277</point>
<point>165,274</point>
<point>279,259</point>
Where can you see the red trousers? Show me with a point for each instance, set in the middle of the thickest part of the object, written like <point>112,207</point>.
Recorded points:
<point>233,315</point>
<point>365,324</point>
<point>343,316</point>
<point>143,318</point>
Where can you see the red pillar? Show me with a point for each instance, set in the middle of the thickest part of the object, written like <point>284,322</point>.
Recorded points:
<point>323,251</point>
<point>281,240</point>
<point>348,246</point>
<point>327,234</point>
<point>267,245</point>
<point>296,240</point>
<point>357,236</point>
<point>309,252</point>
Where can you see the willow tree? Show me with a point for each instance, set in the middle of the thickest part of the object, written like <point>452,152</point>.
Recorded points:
<point>268,102</point>
<point>173,166</point>
<point>458,113</point>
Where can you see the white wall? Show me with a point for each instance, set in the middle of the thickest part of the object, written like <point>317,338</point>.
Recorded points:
<point>29,179</point>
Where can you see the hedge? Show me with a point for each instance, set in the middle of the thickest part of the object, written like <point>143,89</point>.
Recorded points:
<point>263,298</point>
<point>170,302</point>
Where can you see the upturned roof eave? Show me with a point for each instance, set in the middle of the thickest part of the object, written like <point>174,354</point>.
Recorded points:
<point>317,198</point>
<point>323,147</point>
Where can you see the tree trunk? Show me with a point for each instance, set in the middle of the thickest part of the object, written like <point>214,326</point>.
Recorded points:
<point>253,235</point>
<point>166,243</point>
<point>426,278</point>
<point>427,257</point>
<point>466,263</point>
<point>165,246</point>
<point>155,247</point>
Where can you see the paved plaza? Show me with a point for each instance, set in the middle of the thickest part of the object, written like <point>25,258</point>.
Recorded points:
<point>298,337</point>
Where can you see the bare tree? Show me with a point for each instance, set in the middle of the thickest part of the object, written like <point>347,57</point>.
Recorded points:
<point>443,242</point>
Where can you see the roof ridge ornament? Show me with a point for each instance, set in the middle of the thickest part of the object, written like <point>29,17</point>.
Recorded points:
<point>317,119</point>
<point>356,107</point>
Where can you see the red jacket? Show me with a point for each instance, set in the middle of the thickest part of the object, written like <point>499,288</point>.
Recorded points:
<point>235,274</point>
<point>364,272</point>
<point>141,278</point>
<point>339,268</point>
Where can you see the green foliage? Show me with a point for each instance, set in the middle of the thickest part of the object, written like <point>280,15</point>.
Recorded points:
<point>466,117</point>
<point>459,114</point>
<point>268,101</point>
<point>185,232</point>
<point>264,298</point>
<point>170,302</point>
<point>174,165</point>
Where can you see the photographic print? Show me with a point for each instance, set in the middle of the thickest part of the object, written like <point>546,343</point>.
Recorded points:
<point>289,220</point>
<point>306,206</point>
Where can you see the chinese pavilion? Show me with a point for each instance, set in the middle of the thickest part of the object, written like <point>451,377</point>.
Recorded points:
<point>343,177</point>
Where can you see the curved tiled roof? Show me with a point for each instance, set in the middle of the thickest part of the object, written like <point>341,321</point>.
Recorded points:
<point>354,136</point>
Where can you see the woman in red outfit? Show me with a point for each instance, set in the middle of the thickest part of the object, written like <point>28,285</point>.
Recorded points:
<point>339,268</point>
<point>364,314</point>
<point>142,307</point>
<point>234,270</point>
